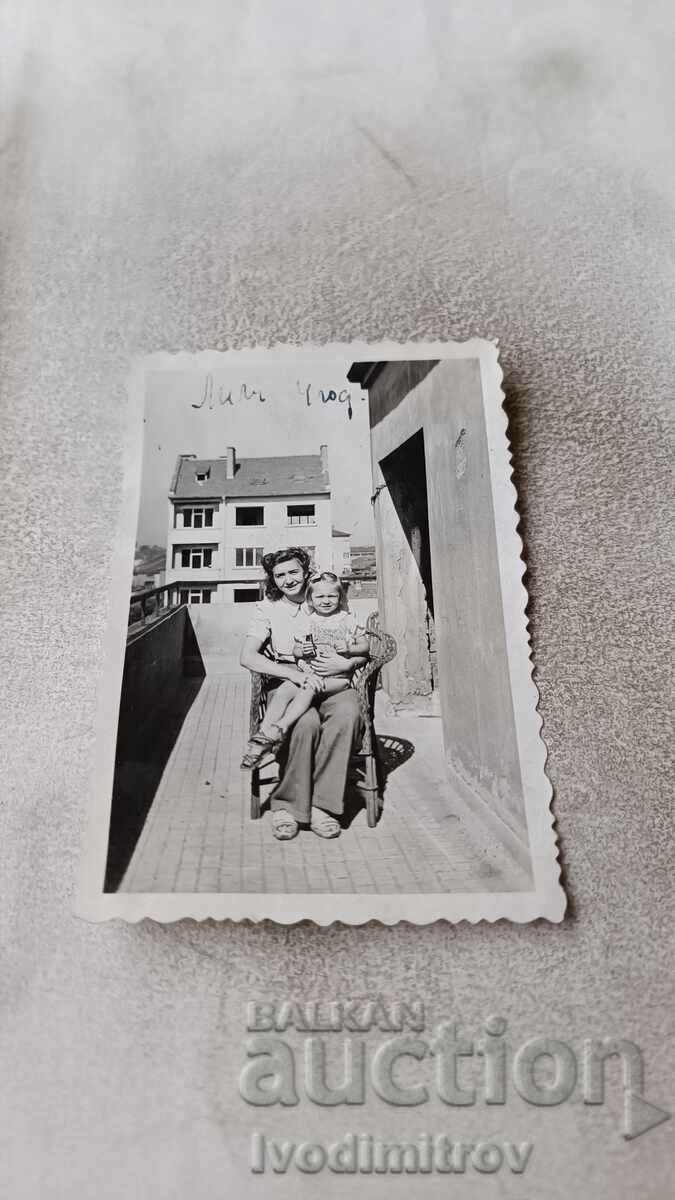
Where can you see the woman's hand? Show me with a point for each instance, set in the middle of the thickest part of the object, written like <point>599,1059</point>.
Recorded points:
<point>332,664</point>
<point>306,679</point>
<point>295,676</point>
<point>313,682</point>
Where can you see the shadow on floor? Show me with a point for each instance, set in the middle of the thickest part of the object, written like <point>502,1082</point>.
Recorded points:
<point>137,777</point>
<point>394,751</point>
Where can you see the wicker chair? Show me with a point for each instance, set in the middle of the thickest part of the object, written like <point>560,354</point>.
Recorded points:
<point>382,650</point>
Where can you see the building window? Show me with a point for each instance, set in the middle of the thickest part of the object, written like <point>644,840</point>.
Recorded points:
<point>193,518</point>
<point>195,595</point>
<point>192,558</point>
<point>202,476</point>
<point>246,595</point>
<point>252,514</point>
<point>301,514</point>
<point>248,556</point>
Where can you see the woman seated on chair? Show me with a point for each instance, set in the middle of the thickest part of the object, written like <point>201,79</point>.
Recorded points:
<point>326,629</point>
<point>315,646</point>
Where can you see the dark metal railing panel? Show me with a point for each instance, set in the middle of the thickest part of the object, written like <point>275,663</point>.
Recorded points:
<point>152,603</point>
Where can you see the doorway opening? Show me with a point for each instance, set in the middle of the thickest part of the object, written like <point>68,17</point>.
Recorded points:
<point>405,475</point>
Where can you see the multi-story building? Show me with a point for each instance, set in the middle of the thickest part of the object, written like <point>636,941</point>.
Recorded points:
<point>225,513</point>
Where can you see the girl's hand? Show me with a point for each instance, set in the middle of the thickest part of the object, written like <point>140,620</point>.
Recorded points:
<point>304,648</point>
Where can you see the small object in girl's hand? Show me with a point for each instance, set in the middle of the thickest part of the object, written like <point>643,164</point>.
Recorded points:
<point>304,647</point>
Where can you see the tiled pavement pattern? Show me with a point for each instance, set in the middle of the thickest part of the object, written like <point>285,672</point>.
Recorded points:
<point>198,836</point>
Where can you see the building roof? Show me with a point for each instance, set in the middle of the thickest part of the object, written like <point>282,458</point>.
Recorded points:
<point>340,533</point>
<point>285,475</point>
<point>364,373</point>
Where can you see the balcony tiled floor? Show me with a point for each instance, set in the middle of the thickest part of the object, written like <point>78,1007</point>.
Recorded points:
<point>198,836</point>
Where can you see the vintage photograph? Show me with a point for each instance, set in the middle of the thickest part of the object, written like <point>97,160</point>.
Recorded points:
<point>323,701</point>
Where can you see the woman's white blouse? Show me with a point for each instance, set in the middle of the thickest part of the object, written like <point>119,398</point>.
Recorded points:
<point>278,621</point>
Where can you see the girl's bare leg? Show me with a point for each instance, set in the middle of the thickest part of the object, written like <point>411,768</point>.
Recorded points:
<point>278,704</point>
<point>299,704</point>
<point>262,746</point>
<point>288,703</point>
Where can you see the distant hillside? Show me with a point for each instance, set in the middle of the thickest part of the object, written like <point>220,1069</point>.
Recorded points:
<point>148,560</point>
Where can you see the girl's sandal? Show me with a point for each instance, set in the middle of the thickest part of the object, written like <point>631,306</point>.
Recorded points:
<point>284,825</point>
<point>323,825</point>
<point>260,751</point>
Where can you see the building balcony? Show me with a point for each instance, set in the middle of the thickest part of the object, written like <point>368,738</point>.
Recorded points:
<point>188,537</point>
<point>192,575</point>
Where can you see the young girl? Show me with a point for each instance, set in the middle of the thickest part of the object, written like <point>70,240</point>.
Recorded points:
<point>326,629</point>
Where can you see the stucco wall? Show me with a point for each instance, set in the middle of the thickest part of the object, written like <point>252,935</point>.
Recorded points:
<point>478,725</point>
<point>212,176</point>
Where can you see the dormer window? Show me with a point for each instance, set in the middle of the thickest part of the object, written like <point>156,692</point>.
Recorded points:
<point>202,476</point>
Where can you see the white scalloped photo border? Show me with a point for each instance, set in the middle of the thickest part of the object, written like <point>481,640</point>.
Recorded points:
<point>547,898</point>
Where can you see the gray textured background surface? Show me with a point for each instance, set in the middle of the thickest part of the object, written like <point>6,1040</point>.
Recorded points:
<point>210,175</point>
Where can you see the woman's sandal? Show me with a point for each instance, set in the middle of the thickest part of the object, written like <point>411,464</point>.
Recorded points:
<point>260,751</point>
<point>284,825</point>
<point>323,824</point>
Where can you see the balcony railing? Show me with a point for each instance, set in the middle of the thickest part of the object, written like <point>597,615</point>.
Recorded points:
<point>152,603</point>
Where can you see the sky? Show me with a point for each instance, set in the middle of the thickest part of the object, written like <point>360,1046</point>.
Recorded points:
<point>186,412</point>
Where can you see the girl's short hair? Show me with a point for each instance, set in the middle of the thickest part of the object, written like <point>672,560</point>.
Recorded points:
<point>270,561</point>
<point>324,577</point>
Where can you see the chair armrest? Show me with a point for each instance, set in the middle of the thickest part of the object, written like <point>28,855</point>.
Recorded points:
<point>258,701</point>
<point>363,673</point>
<point>363,680</point>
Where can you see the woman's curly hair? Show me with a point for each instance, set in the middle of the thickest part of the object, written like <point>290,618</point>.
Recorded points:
<point>270,561</point>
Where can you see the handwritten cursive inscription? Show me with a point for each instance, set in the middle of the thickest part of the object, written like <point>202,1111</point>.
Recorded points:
<point>245,393</point>
<point>213,396</point>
